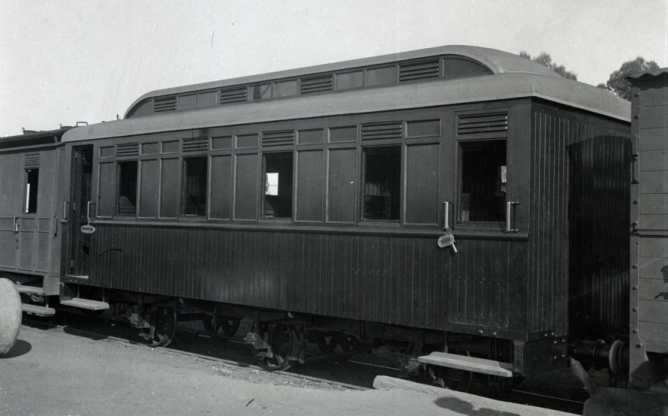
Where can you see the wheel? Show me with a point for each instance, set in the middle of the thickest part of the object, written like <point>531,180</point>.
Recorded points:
<point>229,325</point>
<point>162,329</point>
<point>279,337</point>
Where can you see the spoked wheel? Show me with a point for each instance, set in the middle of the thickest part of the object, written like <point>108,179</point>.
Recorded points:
<point>162,329</point>
<point>451,378</point>
<point>279,338</point>
<point>229,325</point>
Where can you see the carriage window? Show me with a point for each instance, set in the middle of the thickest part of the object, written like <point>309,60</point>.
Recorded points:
<point>127,188</point>
<point>382,173</point>
<point>32,179</point>
<point>483,181</point>
<point>278,185</point>
<point>195,177</point>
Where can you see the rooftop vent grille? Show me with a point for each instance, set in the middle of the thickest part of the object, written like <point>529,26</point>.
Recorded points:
<point>418,70</point>
<point>233,95</point>
<point>162,104</point>
<point>278,138</point>
<point>375,131</point>
<point>317,84</point>
<point>127,149</point>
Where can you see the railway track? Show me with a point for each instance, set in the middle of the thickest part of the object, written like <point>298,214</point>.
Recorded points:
<point>354,372</point>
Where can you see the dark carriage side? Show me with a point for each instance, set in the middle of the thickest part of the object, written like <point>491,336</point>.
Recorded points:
<point>191,201</point>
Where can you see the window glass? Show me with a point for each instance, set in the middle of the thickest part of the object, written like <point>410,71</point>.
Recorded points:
<point>261,92</point>
<point>382,178</point>
<point>32,180</point>
<point>483,181</point>
<point>127,188</point>
<point>278,173</point>
<point>195,187</point>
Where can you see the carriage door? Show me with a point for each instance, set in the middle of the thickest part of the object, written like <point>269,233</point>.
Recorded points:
<point>82,172</point>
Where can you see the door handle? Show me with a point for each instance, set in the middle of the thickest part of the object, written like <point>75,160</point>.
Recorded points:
<point>509,211</point>
<point>66,211</point>
<point>16,225</point>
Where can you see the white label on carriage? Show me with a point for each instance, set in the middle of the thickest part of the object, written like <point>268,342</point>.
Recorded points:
<point>87,229</point>
<point>447,239</point>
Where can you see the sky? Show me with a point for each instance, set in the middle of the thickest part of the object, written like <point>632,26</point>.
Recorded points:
<point>87,60</point>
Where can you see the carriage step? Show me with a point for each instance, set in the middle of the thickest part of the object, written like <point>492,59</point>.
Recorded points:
<point>93,305</point>
<point>463,362</point>
<point>31,290</point>
<point>38,310</point>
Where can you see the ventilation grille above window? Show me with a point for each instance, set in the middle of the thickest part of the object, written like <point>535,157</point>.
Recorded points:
<point>392,130</point>
<point>318,84</point>
<point>278,138</point>
<point>418,70</point>
<point>31,159</point>
<point>233,95</point>
<point>483,125</point>
<point>196,144</point>
<point>127,149</point>
<point>162,104</point>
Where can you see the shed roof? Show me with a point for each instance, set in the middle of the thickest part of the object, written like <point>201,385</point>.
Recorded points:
<point>655,73</point>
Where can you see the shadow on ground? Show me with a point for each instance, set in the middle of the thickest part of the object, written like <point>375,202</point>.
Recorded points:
<point>20,348</point>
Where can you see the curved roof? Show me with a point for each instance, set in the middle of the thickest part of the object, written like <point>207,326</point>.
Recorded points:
<point>498,62</point>
<point>508,85</point>
<point>655,73</point>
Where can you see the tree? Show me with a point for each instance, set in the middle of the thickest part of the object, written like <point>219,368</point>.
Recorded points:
<point>618,84</point>
<point>545,59</point>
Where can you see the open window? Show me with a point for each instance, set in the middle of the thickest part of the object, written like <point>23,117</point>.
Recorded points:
<point>278,171</point>
<point>32,181</point>
<point>382,179</point>
<point>195,186</point>
<point>127,188</point>
<point>483,181</point>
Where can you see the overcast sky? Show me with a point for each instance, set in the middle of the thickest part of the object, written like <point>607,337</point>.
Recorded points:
<point>85,60</point>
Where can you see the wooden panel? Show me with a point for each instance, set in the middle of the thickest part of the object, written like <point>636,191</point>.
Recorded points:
<point>341,187</point>
<point>311,136</point>
<point>107,190</point>
<point>656,96</point>
<point>653,247</point>
<point>654,311</point>
<point>247,141</point>
<point>653,222</point>
<point>423,128</point>
<point>653,139</point>
<point>148,194</point>
<point>245,207</point>
<point>654,267</point>
<point>653,160</point>
<point>654,117</point>
<point>26,249</point>
<point>653,204</point>
<point>221,187</point>
<point>169,188</point>
<point>654,289</point>
<point>7,247</point>
<point>42,255</point>
<point>421,195</point>
<point>343,134</point>
<point>654,182</point>
<point>655,336</point>
<point>310,183</point>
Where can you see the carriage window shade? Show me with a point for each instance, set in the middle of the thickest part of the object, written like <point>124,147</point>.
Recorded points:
<point>278,171</point>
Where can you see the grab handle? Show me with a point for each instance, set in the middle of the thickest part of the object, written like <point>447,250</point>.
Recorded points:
<point>446,209</point>
<point>509,212</point>
<point>88,210</point>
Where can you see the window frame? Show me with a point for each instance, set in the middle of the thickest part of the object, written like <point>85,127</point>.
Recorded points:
<point>385,148</point>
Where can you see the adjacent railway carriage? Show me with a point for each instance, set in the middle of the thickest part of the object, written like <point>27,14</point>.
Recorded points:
<point>314,201</point>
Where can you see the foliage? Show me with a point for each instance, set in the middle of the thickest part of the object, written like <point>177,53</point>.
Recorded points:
<point>545,59</point>
<point>619,85</point>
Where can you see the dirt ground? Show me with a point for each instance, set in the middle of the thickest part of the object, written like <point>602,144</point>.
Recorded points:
<point>51,372</point>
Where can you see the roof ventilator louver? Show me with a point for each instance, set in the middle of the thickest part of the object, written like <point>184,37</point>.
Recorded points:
<point>127,149</point>
<point>162,104</point>
<point>483,125</point>
<point>278,138</point>
<point>418,70</point>
<point>194,145</point>
<point>375,131</point>
<point>233,95</point>
<point>317,84</point>
<point>31,159</point>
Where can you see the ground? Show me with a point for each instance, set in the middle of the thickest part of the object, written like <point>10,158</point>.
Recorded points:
<point>52,372</point>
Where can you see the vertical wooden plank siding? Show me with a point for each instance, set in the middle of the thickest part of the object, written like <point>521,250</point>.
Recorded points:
<point>578,220</point>
<point>395,280</point>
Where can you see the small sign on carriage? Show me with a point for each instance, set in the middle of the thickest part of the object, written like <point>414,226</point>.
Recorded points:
<point>447,239</point>
<point>87,229</point>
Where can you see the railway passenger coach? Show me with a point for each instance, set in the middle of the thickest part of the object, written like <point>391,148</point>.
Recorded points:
<point>467,202</point>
